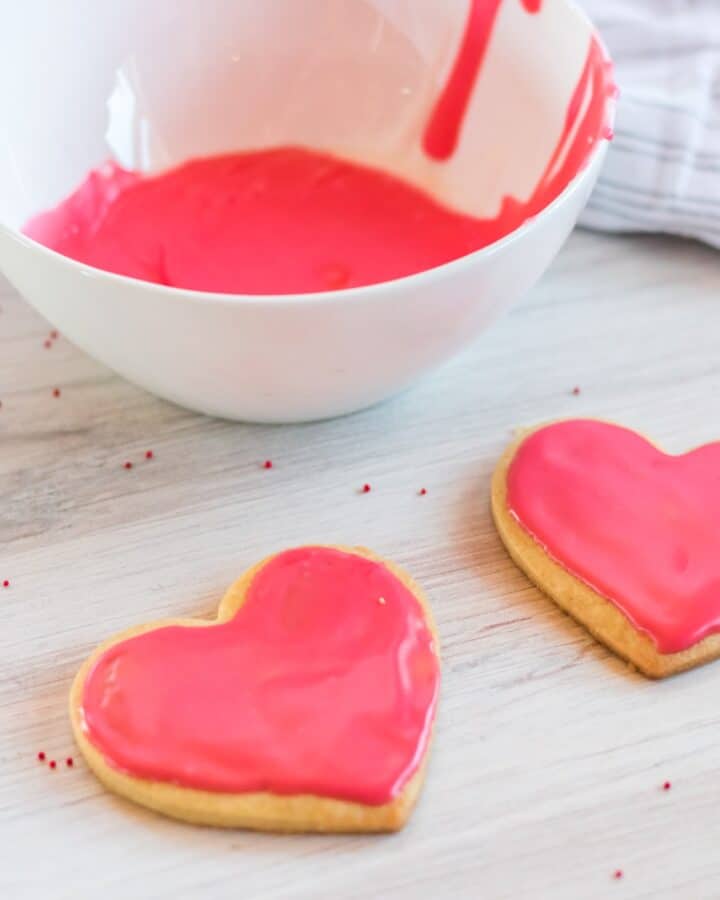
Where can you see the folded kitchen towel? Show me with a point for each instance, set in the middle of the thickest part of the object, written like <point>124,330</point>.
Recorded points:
<point>663,168</point>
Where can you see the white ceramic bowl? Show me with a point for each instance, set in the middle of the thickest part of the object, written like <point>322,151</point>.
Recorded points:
<point>153,83</point>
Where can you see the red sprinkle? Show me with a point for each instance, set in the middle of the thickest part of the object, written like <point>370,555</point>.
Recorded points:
<point>6,583</point>
<point>47,344</point>
<point>267,464</point>
<point>422,492</point>
<point>149,454</point>
<point>41,756</point>
<point>127,465</point>
<point>56,392</point>
<point>576,391</point>
<point>52,764</point>
<point>54,335</point>
<point>618,874</point>
<point>366,489</point>
<point>69,762</point>
<point>667,786</point>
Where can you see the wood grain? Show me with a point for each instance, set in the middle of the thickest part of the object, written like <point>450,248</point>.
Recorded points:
<point>549,756</point>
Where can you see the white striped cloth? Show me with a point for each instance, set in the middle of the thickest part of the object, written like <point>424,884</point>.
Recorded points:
<point>663,169</point>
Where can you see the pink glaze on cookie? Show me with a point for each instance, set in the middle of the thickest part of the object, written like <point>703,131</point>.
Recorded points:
<point>637,525</point>
<point>325,682</point>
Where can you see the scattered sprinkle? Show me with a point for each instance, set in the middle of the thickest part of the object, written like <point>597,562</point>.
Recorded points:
<point>366,489</point>
<point>56,392</point>
<point>267,464</point>
<point>47,344</point>
<point>382,601</point>
<point>149,454</point>
<point>54,335</point>
<point>618,874</point>
<point>6,583</point>
<point>422,492</point>
<point>69,762</point>
<point>52,764</point>
<point>41,756</point>
<point>667,786</point>
<point>127,465</point>
<point>576,392</point>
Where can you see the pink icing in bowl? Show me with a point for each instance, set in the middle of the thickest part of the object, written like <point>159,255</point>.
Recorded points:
<point>490,112</point>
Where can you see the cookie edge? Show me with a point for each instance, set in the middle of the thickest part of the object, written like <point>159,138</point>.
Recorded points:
<point>598,615</point>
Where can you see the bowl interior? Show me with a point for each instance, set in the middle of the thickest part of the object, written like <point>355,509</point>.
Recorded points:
<point>152,84</point>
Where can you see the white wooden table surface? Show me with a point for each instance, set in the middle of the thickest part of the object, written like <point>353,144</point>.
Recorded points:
<point>550,755</point>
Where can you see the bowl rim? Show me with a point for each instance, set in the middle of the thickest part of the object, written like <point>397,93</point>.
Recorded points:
<point>189,294</point>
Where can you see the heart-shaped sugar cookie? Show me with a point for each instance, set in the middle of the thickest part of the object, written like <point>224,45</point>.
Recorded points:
<point>620,535</point>
<point>307,705</point>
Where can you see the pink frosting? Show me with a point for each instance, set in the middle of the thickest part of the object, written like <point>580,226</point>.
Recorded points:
<point>325,682</point>
<point>637,525</point>
<point>293,220</point>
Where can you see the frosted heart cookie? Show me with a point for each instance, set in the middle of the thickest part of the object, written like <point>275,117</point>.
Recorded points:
<point>620,535</point>
<point>307,705</point>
